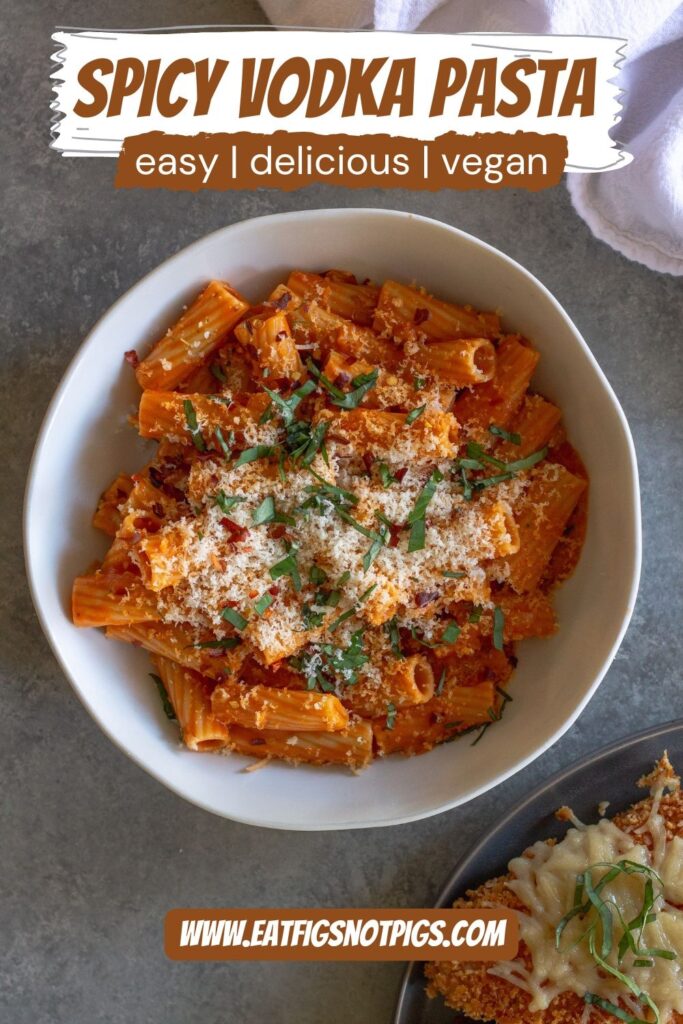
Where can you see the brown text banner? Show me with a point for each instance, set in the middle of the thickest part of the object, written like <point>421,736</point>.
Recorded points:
<point>340,933</point>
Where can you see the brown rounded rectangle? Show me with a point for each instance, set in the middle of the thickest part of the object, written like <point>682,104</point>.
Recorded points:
<point>340,933</point>
<point>291,160</point>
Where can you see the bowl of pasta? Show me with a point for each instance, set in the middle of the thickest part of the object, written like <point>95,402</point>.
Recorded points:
<point>328,509</point>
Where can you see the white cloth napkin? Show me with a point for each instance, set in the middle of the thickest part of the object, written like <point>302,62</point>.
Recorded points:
<point>638,209</point>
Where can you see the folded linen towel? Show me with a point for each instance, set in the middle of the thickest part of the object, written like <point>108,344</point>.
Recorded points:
<point>637,209</point>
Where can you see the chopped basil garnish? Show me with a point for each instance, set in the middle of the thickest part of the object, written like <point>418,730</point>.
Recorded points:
<point>421,640</point>
<point>227,644</point>
<point>165,702</point>
<point>191,420</point>
<point>505,434</point>
<point>382,538</point>
<point>442,680</point>
<point>326,665</point>
<point>595,914</point>
<point>267,513</point>
<point>361,384</point>
<point>217,372</point>
<point>263,604</point>
<point>232,616</point>
<point>226,446</point>
<point>416,518</point>
<point>498,627</point>
<point>391,715</point>
<point>341,501</point>
<point>259,451</point>
<point>287,567</point>
<point>477,456</point>
<point>288,406</point>
<point>392,630</point>
<point>342,618</point>
<point>416,540</point>
<point>304,441</point>
<point>353,609</point>
<point>366,594</point>
<point>527,463</point>
<point>331,388</point>
<point>451,633</point>
<point>311,618</point>
<point>419,383</point>
<point>612,1008</point>
<point>225,502</point>
<point>453,575</point>
<point>506,698</point>
<point>317,576</point>
<point>370,534</point>
<point>414,414</point>
<point>387,478</point>
<point>335,495</point>
<point>476,459</point>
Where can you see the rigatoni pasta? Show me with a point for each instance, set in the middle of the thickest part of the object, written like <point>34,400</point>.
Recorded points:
<point>355,510</point>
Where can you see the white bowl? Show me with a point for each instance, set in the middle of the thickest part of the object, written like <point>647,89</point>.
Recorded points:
<point>84,442</point>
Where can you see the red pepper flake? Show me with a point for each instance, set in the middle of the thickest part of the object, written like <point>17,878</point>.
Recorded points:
<point>273,591</point>
<point>237,533</point>
<point>257,742</point>
<point>400,473</point>
<point>157,477</point>
<point>158,510</point>
<point>342,379</point>
<point>173,492</point>
<point>132,358</point>
<point>424,597</point>
<point>368,459</point>
<point>250,328</point>
<point>146,523</point>
<point>177,461</point>
<point>283,301</point>
<point>394,534</point>
<point>420,315</point>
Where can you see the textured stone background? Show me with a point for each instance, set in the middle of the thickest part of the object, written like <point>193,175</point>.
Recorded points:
<point>93,850</point>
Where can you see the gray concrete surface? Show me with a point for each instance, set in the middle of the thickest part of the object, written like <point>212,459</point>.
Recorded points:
<point>93,850</point>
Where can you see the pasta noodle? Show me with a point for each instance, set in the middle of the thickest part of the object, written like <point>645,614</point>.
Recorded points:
<point>355,510</point>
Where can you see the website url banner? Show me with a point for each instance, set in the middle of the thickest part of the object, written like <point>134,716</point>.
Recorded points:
<point>340,933</point>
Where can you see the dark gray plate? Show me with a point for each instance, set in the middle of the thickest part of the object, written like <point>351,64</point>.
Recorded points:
<point>610,774</point>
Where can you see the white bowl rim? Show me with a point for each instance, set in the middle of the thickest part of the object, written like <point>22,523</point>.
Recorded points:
<point>636,524</point>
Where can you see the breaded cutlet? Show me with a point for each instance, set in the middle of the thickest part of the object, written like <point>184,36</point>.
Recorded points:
<point>468,987</point>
